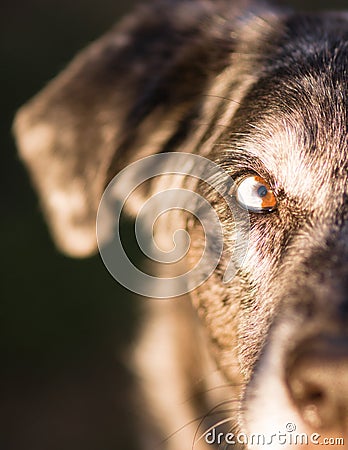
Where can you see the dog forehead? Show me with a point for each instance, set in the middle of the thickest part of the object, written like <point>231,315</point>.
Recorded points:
<point>281,155</point>
<point>307,162</point>
<point>299,133</point>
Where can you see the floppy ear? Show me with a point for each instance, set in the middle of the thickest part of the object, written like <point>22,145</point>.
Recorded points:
<point>129,94</point>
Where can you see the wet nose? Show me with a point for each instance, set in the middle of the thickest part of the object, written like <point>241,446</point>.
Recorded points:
<point>317,379</point>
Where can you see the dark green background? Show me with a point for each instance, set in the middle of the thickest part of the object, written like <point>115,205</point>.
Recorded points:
<point>64,324</point>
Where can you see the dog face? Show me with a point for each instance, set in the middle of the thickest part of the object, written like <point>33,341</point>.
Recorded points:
<point>263,94</point>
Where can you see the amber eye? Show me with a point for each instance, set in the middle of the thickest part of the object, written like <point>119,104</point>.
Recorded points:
<point>254,193</point>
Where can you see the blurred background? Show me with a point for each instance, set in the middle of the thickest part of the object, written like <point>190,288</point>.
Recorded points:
<point>65,325</point>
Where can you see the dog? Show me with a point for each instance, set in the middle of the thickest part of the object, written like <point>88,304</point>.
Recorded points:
<point>259,360</point>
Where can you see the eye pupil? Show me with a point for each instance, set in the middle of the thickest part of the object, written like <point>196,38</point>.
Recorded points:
<point>262,191</point>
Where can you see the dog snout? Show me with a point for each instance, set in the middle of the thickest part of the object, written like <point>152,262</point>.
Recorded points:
<point>318,383</point>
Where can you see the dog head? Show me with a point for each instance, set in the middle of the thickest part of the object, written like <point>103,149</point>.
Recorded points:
<point>262,93</point>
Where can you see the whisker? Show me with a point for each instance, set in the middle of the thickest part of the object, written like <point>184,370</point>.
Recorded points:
<point>209,413</point>
<point>202,124</point>
<point>223,386</point>
<point>214,388</point>
<point>228,419</point>
<point>201,418</point>
<point>221,97</point>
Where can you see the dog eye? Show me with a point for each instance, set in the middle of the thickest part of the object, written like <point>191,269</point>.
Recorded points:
<point>254,193</point>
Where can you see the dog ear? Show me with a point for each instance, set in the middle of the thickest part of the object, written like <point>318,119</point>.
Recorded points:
<point>126,96</point>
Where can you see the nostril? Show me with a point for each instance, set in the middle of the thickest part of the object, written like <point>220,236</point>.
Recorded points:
<point>306,392</point>
<point>314,395</point>
<point>317,380</point>
<point>309,399</point>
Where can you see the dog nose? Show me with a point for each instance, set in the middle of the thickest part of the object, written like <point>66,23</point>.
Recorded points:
<point>317,379</point>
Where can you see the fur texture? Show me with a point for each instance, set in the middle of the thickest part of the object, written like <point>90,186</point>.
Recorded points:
<point>259,91</point>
